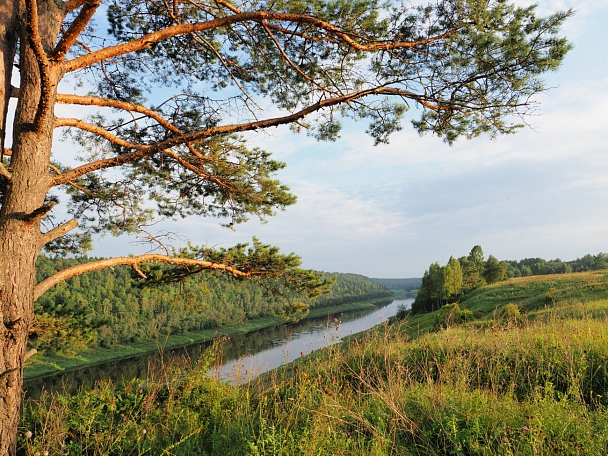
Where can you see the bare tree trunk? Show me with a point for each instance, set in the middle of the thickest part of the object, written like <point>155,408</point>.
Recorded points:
<point>23,208</point>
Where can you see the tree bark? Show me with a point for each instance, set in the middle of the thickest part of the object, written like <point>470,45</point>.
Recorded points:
<point>23,208</point>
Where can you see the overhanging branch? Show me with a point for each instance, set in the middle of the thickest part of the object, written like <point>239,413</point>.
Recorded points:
<point>256,16</point>
<point>82,125</point>
<point>116,104</point>
<point>132,157</point>
<point>134,261</point>
<point>146,151</point>
<point>126,106</point>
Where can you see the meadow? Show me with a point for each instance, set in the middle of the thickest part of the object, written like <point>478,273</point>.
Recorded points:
<point>517,367</point>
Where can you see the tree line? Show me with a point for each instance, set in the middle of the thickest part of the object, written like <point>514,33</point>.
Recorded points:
<point>110,306</point>
<point>409,284</point>
<point>446,284</point>
<point>538,266</point>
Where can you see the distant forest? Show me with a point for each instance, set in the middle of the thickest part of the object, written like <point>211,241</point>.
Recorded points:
<point>446,284</point>
<point>109,307</point>
<point>400,284</point>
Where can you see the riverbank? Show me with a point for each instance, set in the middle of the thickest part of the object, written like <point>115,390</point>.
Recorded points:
<point>45,365</point>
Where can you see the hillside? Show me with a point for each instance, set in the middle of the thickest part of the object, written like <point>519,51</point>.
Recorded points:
<point>517,368</point>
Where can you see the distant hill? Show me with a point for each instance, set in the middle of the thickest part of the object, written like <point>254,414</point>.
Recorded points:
<point>400,284</point>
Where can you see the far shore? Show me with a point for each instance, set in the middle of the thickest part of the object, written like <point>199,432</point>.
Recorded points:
<point>46,365</point>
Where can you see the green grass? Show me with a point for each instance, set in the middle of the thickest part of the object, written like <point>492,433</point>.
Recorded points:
<point>533,382</point>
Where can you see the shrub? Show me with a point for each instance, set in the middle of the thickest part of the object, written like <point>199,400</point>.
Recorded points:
<point>510,312</point>
<point>452,314</point>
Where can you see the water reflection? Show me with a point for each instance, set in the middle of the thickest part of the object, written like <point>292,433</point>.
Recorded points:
<point>244,356</point>
<point>299,340</point>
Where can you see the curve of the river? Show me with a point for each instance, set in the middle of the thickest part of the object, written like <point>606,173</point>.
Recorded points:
<point>300,340</point>
<point>244,356</point>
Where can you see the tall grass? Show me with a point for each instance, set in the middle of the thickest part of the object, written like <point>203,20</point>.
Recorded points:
<point>524,380</point>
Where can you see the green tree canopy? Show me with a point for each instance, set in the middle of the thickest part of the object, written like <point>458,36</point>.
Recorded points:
<point>494,270</point>
<point>452,279</point>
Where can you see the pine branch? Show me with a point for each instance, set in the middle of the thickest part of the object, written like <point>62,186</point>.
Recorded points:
<point>78,25</point>
<point>146,151</point>
<point>80,269</point>
<point>71,5</point>
<point>58,232</point>
<point>256,16</point>
<point>126,106</point>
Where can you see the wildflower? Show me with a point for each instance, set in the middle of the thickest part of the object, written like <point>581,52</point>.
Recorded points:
<point>336,320</point>
<point>141,391</point>
<point>525,428</point>
<point>28,434</point>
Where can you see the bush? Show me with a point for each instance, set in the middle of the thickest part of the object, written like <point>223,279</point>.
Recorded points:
<point>402,312</point>
<point>509,313</point>
<point>452,314</point>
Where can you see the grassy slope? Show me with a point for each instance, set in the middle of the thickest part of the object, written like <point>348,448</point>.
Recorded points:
<point>534,296</point>
<point>533,384</point>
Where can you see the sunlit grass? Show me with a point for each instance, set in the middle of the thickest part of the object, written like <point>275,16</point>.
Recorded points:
<point>528,376</point>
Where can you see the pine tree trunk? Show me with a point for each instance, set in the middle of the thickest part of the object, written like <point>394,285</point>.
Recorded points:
<point>23,208</point>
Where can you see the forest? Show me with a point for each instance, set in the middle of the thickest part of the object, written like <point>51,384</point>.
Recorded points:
<point>447,284</point>
<point>113,306</point>
<point>401,285</point>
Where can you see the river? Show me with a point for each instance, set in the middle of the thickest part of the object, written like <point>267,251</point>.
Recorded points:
<point>244,356</point>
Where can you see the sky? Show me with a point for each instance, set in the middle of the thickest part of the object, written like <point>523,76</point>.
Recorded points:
<point>392,210</point>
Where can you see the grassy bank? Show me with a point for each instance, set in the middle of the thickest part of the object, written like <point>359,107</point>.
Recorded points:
<point>42,365</point>
<point>525,375</point>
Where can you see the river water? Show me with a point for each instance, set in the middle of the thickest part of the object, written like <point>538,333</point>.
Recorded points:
<point>244,356</point>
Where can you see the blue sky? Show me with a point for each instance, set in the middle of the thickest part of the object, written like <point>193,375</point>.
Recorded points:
<point>392,210</point>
